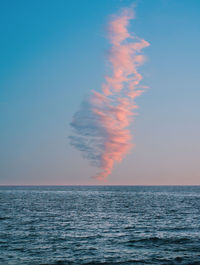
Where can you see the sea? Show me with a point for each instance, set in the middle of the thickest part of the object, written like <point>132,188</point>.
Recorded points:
<point>55,225</point>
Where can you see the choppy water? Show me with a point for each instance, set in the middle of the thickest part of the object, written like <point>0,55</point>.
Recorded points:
<point>100,225</point>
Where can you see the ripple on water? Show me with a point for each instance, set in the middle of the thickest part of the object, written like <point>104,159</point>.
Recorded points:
<point>100,225</point>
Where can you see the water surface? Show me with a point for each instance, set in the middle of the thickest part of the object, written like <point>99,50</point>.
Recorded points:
<point>99,225</point>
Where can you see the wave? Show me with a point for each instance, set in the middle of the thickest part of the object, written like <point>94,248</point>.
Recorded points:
<point>162,240</point>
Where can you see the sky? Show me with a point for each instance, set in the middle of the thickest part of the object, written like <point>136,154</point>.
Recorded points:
<point>54,53</point>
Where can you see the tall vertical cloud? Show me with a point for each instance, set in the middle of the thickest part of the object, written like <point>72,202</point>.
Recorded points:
<point>101,125</point>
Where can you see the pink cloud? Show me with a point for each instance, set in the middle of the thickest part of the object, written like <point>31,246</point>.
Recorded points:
<point>104,120</point>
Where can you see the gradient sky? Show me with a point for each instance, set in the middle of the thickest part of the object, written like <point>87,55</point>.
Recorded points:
<point>53,54</point>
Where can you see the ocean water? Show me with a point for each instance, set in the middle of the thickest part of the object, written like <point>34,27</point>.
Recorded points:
<point>99,225</point>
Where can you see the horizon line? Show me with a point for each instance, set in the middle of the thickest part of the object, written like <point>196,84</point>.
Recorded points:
<point>111,185</point>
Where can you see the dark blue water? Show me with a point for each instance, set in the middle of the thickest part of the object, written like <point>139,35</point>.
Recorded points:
<point>99,225</point>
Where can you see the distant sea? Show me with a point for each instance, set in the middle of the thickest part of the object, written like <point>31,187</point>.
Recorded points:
<point>99,225</point>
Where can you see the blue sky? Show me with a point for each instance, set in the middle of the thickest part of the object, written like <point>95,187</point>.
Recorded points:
<point>53,54</point>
